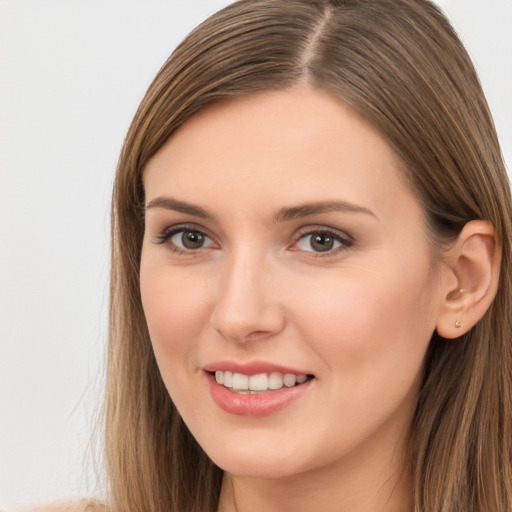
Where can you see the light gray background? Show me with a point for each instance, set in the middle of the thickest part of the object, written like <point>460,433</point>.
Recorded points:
<point>71,75</point>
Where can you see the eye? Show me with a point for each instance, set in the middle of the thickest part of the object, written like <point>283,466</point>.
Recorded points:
<point>322,241</point>
<point>185,239</point>
<point>188,239</point>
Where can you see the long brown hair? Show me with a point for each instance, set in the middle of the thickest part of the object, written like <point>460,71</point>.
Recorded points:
<point>401,67</point>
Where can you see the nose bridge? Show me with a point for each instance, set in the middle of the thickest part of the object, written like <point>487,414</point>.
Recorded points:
<point>245,307</point>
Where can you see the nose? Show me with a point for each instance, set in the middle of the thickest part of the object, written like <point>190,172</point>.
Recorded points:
<point>246,307</point>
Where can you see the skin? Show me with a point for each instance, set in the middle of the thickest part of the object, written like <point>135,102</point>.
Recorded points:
<point>358,317</point>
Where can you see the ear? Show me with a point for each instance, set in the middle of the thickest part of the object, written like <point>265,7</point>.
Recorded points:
<point>472,274</point>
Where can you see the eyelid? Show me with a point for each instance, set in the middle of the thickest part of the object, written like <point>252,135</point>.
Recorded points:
<point>165,235</point>
<point>345,240</point>
<point>342,237</point>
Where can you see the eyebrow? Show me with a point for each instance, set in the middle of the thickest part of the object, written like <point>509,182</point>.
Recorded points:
<point>306,210</point>
<point>169,203</point>
<point>284,214</point>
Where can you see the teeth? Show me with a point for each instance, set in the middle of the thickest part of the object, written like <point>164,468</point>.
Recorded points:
<point>259,382</point>
<point>301,379</point>
<point>240,381</point>
<point>228,379</point>
<point>275,381</point>
<point>289,380</point>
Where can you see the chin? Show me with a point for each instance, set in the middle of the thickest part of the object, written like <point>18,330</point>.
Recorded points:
<point>250,468</point>
<point>259,460</point>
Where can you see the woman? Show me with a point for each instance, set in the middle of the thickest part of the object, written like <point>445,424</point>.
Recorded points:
<point>310,298</point>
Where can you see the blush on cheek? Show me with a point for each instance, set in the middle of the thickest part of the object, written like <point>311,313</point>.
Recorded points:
<point>170,308</point>
<point>346,323</point>
<point>360,321</point>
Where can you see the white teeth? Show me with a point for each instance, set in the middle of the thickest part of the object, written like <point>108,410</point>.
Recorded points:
<point>240,381</point>
<point>259,382</point>
<point>228,379</point>
<point>289,380</point>
<point>275,381</point>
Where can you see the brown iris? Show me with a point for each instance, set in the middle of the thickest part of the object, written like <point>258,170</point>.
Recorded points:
<point>322,242</point>
<point>192,239</point>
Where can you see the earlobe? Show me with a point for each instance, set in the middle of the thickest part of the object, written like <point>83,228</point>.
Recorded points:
<point>473,266</point>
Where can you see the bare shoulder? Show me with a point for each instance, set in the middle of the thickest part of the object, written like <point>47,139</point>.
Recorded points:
<point>71,506</point>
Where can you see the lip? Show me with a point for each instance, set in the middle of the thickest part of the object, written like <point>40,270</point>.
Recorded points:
<point>251,368</point>
<point>258,404</point>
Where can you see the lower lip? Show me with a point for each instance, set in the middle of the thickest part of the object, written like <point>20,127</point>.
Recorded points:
<point>258,404</point>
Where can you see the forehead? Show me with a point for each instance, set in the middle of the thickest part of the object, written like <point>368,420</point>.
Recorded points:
<point>299,143</point>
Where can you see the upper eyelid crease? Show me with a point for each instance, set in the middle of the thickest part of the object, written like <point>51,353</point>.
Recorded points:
<point>284,214</point>
<point>340,236</point>
<point>345,240</point>
<point>169,231</point>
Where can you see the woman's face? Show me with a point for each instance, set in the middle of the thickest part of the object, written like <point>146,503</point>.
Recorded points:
<point>281,239</point>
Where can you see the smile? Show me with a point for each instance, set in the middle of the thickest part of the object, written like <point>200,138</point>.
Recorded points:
<point>255,389</point>
<point>262,382</point>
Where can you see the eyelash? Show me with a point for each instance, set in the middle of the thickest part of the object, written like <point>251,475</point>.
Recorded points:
<point>345,241</point>
<point>166,235</point>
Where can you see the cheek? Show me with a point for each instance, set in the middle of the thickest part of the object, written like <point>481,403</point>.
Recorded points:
<point>369,318</point>
<point>174,312</point>
<point>371,334</point>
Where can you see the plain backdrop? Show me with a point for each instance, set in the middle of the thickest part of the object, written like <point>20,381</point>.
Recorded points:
<point>72,73</point>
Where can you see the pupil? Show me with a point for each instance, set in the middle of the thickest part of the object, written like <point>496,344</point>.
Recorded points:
<point>192,239</point>
<point>322,242</point>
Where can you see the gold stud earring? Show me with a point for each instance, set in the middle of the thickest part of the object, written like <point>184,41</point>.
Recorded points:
<point>458,324</point>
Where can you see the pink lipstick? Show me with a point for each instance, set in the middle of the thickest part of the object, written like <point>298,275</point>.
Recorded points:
<point>256,388</point>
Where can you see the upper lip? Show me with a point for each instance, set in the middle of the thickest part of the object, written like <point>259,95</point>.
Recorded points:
<point>251,368</point>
